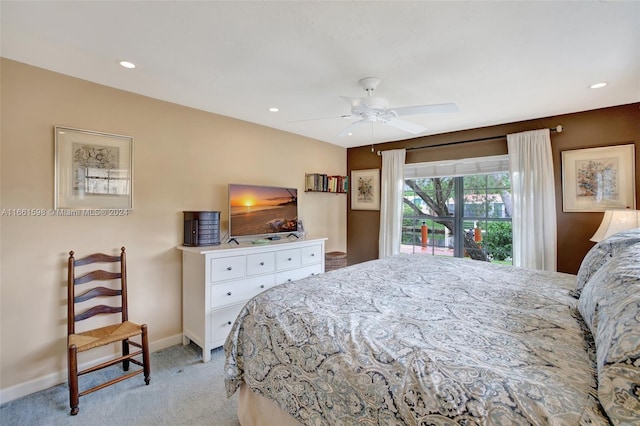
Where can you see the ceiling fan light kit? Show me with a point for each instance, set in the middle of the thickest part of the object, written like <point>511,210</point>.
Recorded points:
<point>369,83</point>
<point>373,109</point>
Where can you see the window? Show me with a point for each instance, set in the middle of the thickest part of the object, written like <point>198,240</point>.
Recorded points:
<point>465,214</point>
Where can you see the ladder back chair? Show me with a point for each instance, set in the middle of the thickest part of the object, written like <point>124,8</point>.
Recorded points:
<point>89,287</point>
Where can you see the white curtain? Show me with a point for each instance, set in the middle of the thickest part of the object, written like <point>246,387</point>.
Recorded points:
<point>534,200</point>
<point>391,195</point>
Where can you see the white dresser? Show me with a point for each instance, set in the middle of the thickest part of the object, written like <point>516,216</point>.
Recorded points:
<point>217,281</point>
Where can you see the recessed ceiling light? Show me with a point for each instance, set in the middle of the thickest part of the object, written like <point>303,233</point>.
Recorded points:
<point>598,85</point>
<point>127,64</point>
<point>274,109</point>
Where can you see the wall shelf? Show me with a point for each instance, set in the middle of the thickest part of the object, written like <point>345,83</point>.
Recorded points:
<point>319,182</point>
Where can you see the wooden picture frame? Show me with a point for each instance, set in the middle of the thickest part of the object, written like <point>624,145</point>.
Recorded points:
<point>595,179</point>
<point>365,189</point>
<point>93,170</point>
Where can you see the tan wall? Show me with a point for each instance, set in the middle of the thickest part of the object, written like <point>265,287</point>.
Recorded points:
<point>602,127</point>
<point>183,160</point>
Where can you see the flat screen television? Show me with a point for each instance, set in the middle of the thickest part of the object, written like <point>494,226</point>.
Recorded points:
<point>262,210</point>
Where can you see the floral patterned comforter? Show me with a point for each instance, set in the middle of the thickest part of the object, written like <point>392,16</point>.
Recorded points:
<point>419,340</point>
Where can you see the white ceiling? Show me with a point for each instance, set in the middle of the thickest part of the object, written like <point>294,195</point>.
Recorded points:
<point>499,62</point>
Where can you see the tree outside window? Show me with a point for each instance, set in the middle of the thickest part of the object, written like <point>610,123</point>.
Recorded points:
<point>481,229</point>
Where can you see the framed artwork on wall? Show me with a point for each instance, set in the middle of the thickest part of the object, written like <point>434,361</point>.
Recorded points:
<point>365,189</point>
<point>93,170</point>
<point>596,179</point>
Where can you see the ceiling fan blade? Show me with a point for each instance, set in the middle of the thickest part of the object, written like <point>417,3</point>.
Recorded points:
<point>350,127</point>
<point>349,99</point>
<point>320,118</point>
<point>404,125</point>
<point>426,109</point>
<point>346,98</point>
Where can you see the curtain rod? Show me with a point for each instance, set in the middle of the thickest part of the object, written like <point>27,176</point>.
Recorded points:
<point>557,129</point>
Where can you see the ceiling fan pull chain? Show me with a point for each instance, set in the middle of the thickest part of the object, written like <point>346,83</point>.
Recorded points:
<point>371,137</point>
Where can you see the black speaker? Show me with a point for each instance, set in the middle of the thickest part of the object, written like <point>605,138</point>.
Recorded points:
<point>201,228</point>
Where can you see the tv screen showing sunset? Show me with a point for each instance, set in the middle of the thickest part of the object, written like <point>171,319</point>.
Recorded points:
<point>260,210</point>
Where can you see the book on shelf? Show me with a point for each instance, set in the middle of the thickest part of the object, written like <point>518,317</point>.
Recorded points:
<point>320,182</point>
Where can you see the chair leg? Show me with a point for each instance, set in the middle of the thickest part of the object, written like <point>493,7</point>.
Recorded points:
<point>125,352</point>
<point>145,355</point>
<point>74,398</point>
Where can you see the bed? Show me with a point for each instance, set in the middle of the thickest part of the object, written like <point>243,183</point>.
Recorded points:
<point>423,340</point>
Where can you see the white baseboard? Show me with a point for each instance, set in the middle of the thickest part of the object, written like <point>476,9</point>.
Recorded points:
<point>167,342</point>
<point>53,379</point>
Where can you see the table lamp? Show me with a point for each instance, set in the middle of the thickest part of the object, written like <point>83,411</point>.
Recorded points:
<point>615,221</point>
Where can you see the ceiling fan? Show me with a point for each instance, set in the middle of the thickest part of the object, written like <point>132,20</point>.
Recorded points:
<point>372,109</point>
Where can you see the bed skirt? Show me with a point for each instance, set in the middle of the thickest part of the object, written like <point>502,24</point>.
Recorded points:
<point>256,410</point>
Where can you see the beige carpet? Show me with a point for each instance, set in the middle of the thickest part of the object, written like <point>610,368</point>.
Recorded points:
<point>183,391</point>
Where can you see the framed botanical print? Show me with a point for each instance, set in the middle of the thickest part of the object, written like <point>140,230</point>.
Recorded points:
<point>365,189</point>
<point>596,179</point>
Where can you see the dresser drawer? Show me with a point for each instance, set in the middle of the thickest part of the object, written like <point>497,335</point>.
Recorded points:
<point>261,263</point>
<point>239,291</point>
<point>257,285</point>
<point>297,274</point>
<point>311,255</point>
<point>228,268</point>
<point>287,259</point>
<point>229,293</point>
<point>221,321</point>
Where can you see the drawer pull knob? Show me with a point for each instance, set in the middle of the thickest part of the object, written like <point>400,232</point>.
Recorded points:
<point>289,280</point>
<point>229,294</point>
<point>289,259</point>
<point>261,263</point>
<point>228,322</point>
<point>229,268</point>
<point>313,254</point>
<point>262,286</point>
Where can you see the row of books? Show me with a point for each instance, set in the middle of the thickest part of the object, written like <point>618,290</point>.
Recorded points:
<point>326,183</point>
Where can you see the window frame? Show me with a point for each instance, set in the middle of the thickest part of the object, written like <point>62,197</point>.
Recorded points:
<point>462,168</point>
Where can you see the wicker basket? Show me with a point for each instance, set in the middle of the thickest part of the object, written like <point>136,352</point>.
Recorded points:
<point>335,260</point>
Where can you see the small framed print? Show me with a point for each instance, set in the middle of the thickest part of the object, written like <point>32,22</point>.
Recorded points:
<point>365,189</point>
<point>92,170</point>
<point>596,179</point>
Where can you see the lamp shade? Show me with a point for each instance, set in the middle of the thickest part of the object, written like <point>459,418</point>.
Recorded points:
<point>615,221</point>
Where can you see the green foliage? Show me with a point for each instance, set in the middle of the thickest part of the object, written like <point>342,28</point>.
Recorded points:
<point>498,240</point>
<point>484,197</point>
